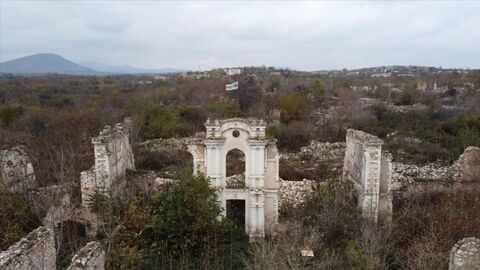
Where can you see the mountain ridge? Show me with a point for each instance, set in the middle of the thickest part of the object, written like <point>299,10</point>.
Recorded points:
<point>47,63</point>
<point>43,63</point>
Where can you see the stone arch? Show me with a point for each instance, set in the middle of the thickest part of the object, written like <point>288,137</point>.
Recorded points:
<point>197,151</point>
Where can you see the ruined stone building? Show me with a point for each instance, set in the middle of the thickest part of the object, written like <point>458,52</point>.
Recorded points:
<point>253,196</point>
<point>259,194</point>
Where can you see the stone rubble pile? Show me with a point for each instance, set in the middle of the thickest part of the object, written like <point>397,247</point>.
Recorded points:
<point>168,144</point>
<point>89,257</point>
<point>294,193</point>
<point>405,174</point>
<point>319,151</point>
<point>323,151</point>
<point>465,255</point>
<point>236,181</point>
<point>465,169</point>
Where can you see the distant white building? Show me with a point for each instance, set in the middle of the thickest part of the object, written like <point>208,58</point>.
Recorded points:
<point>232,71</point>
<point>160,78</point>
<point>382,75</point>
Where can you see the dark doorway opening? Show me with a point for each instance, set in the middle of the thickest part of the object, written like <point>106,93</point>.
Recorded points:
<point>70,236</point>
<point>236,212</point>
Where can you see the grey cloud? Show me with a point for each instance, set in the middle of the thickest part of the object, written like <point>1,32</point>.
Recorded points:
<point>192,35</point>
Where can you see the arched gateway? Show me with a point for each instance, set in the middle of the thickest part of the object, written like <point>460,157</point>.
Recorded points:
<point>260,190</point>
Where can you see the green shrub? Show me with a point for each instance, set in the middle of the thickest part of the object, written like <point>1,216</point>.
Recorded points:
<point>179,121</point>
<point>177,229</point>
<point>332,210</point>
<point>10,113</point>
<point>16,218</point>
<point>290,137</point>
<point>223,109</point>
<point>293,106</point>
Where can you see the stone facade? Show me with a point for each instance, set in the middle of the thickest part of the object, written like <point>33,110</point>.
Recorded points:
<point>369,169</point>
<point>89,257</point>
<point>113,157</point>
<point>35,251</point>
<point>16,170</point>
<point>465,255</point>
<point>260,191</point>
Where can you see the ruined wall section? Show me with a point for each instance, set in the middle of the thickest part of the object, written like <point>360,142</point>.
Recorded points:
<point>469,163</point>
<point>35,251</point>
<point>385,207</point>
<point>363,165</point>
<point>16,170</point>
<point>198,153</point>
<point>465,255</point>
<point>113,156</point>
<point>88,183</point>
<point>89,257</point>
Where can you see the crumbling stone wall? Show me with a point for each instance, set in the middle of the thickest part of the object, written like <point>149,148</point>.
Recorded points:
<point>56,202</point>
<point>463,174</point>
<point>88,183</point>
<point>369,169</point>
<point>470,164</point>
<point>113,157</point>
<point>89,257</point>
<point>465,255</point>
<point>385,207</point>
<point>16,170</point>
<point>35,251</point>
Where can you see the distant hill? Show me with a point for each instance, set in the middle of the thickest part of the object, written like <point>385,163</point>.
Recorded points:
<point>44,63</point>
<point>126,69</point>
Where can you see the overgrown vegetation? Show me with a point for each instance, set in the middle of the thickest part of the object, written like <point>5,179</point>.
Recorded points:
<point>177,229</point>
<point>56,116</point>
<point>16,218</point>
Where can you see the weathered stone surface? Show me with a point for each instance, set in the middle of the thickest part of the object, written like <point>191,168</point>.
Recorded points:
<point>16,170</point>
<point>235,181</point>
<point>88,186</point>
<point>35,251</point>
<point>470,164</point>
<point>326,151</point>
<point>113,157</point>
<point>89,257</point>
<point>369,169</point>
<point>404,175</point>
<point>465,255</point>
<point>463,171</point>
<point>294,193</point>
<point>168,144</point>
<point>149,182</point>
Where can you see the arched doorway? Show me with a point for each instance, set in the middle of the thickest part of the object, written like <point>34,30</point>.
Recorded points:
<point>235,169</point>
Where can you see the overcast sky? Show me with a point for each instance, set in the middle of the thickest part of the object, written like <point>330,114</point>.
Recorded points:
<point>204,35</point>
